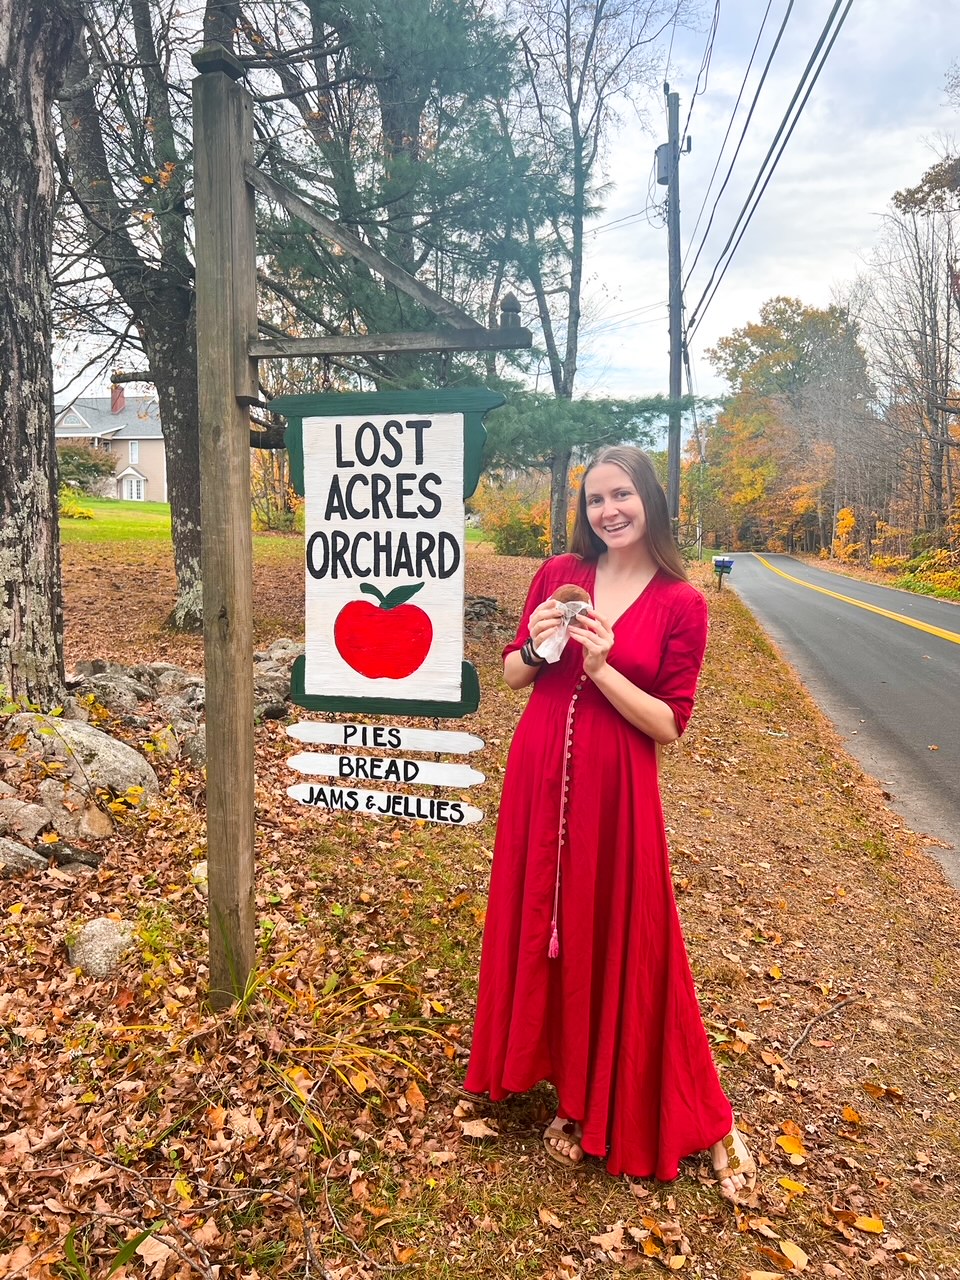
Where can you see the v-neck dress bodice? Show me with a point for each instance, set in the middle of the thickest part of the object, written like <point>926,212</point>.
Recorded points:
<point>612,1020</point>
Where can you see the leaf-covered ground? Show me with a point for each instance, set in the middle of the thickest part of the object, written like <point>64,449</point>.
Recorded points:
<point>319,1132</point>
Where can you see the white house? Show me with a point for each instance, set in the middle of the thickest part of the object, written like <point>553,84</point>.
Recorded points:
<point>130,430</point>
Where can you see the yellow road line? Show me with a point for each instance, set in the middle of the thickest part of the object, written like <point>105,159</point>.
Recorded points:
<point>871,608</point>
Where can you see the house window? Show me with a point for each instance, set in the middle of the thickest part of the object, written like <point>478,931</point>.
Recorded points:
<point>133,489</point>
<point>134,452</point>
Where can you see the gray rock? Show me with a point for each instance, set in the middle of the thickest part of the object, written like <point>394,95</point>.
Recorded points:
<point>18,857</point>
<point>166,743</point>
<point>150,672</point>
<point>270,685</point>
<point>75,708</point>
<point>173,680</point>
<point>91,759</point>
<point>281,651</point>
<point>22,819</point>
<point>119,693</point>
<point>99,667</point>
<point>181,718</point>
<point>99,946</point>
<point>271,711</point>
<point>194,745</point>
<point>74,813</point>
<point>6,789</point>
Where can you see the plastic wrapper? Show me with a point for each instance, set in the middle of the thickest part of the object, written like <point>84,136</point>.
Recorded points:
<point>551,648</point>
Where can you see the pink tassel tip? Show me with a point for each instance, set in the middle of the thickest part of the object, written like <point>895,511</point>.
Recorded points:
<point>554,949</point>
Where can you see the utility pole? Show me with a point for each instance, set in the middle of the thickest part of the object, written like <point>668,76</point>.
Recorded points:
<point>668,175</point>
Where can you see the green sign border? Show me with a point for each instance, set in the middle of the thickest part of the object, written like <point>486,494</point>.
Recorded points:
<point>473,403</point>
<point>469,698</point>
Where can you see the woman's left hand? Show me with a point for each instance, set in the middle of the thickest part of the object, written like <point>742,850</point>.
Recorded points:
<point>595,635</point>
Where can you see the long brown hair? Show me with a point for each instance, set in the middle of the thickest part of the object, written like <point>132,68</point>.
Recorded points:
<point>586,544</point>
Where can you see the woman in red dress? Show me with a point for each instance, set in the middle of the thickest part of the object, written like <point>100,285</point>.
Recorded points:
<point>584,979</point>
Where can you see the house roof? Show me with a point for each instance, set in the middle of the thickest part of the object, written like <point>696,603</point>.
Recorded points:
<point>130,471</point>
<point>90,417</point>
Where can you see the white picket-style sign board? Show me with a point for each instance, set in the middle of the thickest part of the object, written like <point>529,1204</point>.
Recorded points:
<point>357,768</point>
<point>384,516</point>
<point>385,737</point>
<point>385,804</point>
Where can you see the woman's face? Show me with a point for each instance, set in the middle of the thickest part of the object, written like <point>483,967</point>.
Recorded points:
<point>614,507</point>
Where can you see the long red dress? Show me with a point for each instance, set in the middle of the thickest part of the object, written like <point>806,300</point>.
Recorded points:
<point>613,1021</point>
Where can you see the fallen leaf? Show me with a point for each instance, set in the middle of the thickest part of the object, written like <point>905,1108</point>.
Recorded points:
<point>550,1219</point>
<point>477,1129</point>
<point>874,1225</point>
<point>415,1098</point>
<point>852,1116</point>
<point>791,1145</point>
<point>798,1258</point>
<point>795,1188</point>
<point>677,1262</point>
<point>155,1254</point>
<point>612,1239</point>
<point>762,1275</point>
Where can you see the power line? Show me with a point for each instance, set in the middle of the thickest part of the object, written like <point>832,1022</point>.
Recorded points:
<point>704,71</point>
<point>602,227</point>
<point>743,134</point>
<point>723,144</point>
<point>698,311</point>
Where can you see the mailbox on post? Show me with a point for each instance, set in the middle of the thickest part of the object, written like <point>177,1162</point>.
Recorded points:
<point>722,565</point>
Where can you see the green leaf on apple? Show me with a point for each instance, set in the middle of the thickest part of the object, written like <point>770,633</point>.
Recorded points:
<point>398,596</point>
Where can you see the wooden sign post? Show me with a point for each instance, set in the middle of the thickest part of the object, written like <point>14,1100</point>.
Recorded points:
<point>228,347</point>
<point>226,322</point>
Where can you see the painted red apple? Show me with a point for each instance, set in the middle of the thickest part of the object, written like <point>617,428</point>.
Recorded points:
<point>384,641</point>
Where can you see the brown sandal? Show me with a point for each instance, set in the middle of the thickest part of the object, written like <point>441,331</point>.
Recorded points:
<point>746,1168</point>
<point>568,1132</point>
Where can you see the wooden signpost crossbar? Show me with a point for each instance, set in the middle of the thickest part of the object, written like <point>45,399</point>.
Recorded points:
<point>228,348</point>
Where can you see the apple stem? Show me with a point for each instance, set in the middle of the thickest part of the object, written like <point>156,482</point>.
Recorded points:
<point>398,596</point>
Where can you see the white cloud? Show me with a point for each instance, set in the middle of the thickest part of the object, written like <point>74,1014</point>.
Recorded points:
<point>868,129</point>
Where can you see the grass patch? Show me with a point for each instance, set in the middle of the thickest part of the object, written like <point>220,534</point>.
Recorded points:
<point>116,521</point>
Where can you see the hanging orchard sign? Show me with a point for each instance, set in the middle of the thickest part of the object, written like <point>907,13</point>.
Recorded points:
<point>384,479</point>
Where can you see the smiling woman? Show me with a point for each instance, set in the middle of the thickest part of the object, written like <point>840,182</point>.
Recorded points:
<point>584,978</point>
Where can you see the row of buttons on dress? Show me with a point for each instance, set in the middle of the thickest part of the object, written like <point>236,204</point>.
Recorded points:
<point>568,753</point>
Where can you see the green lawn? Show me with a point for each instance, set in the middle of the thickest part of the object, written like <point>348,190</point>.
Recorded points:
<point>115,521</point>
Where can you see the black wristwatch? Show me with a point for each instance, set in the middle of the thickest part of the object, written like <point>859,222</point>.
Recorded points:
<point>529,655</point>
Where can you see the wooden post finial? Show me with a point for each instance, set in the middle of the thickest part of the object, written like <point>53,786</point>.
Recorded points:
<point>217,57</point>
<point>509,311</point>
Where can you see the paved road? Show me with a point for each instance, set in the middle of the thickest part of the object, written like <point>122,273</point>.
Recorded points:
<point>884,665</point>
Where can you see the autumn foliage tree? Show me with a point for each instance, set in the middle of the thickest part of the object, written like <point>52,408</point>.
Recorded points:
<point>782,451</point>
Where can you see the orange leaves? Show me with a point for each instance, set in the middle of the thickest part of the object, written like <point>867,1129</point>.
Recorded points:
<point>791,1142</point>
<point>873,1225</point>
<point>883,1091</point>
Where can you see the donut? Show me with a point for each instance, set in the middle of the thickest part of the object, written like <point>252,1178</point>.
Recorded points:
<point>571,592</point>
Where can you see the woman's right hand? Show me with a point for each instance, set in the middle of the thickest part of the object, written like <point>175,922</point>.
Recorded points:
<point>544,621</point>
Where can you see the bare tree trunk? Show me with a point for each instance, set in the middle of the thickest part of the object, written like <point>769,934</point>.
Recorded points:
<point>172,349</point>
<point>159,295</point>
<point>35,40</point>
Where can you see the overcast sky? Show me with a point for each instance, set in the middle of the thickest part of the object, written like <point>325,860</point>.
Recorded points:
<point>870,127</point>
